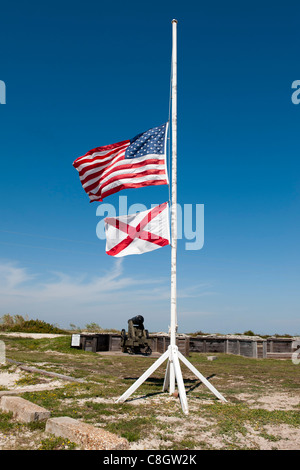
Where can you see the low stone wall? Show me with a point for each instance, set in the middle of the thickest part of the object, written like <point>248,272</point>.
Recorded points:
<point>242,346</point>
<point>279,345</point>
<point>282,348</point>
<point>248,346</point>
<point>97,342</point>
<point>160,343</point>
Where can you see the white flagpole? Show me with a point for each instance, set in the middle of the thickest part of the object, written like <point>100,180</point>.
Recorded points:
<point>173,371</point>
<point>173,325</point>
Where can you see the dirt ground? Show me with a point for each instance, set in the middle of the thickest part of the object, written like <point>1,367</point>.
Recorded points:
<point>285,436</point>
<point>197,427</point>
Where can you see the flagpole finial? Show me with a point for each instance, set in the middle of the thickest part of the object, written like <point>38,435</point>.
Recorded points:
<point>174,21</point>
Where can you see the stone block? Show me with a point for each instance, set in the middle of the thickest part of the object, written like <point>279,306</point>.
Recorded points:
<point>85,435</point>
<point>23,410</point>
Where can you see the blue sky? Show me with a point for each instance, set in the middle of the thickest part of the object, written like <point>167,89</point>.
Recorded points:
<point>83,74</point>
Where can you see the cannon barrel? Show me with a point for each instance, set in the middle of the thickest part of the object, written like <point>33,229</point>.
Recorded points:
<point>138,320</point>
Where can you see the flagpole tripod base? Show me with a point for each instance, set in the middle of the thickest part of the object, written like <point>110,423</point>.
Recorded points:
<point>173,373</point>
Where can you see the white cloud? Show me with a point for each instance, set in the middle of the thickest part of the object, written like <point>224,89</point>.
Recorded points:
<point>11,276</point>
<point>109,300</point>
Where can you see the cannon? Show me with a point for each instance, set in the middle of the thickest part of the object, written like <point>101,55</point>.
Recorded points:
<point>136,340</point>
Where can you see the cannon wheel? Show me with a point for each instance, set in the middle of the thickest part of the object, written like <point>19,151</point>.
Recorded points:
<point>148,351</point>
<point>123,337</point>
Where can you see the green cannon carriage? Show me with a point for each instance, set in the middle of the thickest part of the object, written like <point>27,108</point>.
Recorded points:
<point>136,340</point>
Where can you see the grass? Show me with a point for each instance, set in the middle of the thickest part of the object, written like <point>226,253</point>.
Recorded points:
<point>6,423</point>
<point>233,418</point>
<point>56,443</point>
<point>132,429</point>
<point>209,425</point>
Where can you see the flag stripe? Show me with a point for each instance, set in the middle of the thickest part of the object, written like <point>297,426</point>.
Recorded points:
<point>96,170</point>
<point>136,163</point>
<point>93,187</point>
<point>127,180</point>
<point>115,189</point>
<point>101,163</point>
<point>131,173</point>
<point>103,151</point>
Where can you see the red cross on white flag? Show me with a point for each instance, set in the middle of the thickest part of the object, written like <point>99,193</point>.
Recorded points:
<point>138,233</point>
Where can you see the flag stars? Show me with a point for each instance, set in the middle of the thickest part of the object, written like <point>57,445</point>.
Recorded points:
<point>150,142</point>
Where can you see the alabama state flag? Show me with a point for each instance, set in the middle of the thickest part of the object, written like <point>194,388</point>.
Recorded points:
<point>138,233</point>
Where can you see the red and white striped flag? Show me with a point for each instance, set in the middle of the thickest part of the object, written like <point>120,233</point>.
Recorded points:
<point>138,233</point>
<point>133,163</point>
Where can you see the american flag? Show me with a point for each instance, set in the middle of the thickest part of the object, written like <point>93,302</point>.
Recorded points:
<point>133,163</point>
